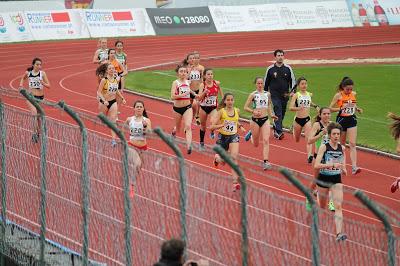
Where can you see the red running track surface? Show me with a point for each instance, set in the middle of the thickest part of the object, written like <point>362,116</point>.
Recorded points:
<point>71,73</point>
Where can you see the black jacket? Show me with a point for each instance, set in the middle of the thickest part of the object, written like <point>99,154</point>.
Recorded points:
<point>279,80</point>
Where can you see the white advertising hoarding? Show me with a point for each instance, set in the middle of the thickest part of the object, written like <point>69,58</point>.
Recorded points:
<point>246,18</point>
<point>14,27</point>
<point>326,14</point>
<point>53,25</point>
<point>122,22</point>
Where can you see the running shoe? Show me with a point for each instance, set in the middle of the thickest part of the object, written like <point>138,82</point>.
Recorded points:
<point>308,206</point>
<point>278,136</point>
<point>341,237</point>
<point>35,137</point>
<point>173,133</point>
<point>395,185</point>
<point>215,162</point>
<point>113,143</point>
<point>310,158</point>
<point>236,186</point>
<point>189,150</point>
<point>331,206</point>
<point>212,135</point>
<point>198,120</point>
<point>267,166</point>
<point>248,135</point>
<point>131,191</point>
<point>355,170</point>
<point>202,147</point>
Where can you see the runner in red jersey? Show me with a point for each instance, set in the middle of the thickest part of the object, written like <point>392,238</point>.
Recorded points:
<point>208,98</point>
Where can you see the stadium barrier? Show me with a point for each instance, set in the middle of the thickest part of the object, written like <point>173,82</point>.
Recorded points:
<point>277,224</point>
<point>17,26</point>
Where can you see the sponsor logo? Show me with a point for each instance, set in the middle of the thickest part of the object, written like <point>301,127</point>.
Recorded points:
<point>45,18</point>
<point>19,21</point>
<point>105,16</point>
<point>3,29</point>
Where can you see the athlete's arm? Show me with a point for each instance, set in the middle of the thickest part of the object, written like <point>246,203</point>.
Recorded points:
<point>125,72</point>
<point>217,119</point>
<point>312,137</point>
<point>292,106</point>
<point>318,164</point>
<point>270,112</point>
<point>202,92</point>
<point>45,82</point>
<point>343,166</point>
<point>122,97</point>
<point>99,89</point>
<point>96,57</point>
<point>247,103</point>
<point>333,106</point>
<point>23,78</point>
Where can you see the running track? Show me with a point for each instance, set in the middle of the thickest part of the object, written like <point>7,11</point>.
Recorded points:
<point>72,77</point>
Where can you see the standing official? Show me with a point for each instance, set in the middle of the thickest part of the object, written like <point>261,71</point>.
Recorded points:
<point>280,82</point>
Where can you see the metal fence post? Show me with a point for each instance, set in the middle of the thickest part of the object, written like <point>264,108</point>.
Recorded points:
<point>3,126</point>
<point>127,204</point>
<point>314,211</point>
<point>381,215</point>
<point>85,182</point>
<point>182,181</point>
<point>243,198</point>
<point>43,188</point>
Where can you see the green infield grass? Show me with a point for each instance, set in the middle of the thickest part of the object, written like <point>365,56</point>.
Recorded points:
<point>377,87</point>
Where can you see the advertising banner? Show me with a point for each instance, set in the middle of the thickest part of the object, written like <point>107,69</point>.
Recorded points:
<point>181,20</point>
<point>366,13</point>
<point>53,25</point>
<point>123,22</point>
<point>13,27</point>
<point>246,18</point>
<point>326,14</point>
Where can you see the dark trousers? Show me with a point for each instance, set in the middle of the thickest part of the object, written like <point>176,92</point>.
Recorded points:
<point>280,103</point>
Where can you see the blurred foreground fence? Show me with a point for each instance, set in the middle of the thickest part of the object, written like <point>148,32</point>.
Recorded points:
<point>65,200</point>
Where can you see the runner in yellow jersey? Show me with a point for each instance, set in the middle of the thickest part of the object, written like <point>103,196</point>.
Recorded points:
<point>227,124</point>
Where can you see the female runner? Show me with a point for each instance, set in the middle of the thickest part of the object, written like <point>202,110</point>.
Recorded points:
<point>395,129</point>
<point>196,79</point>
<point>37,80</point>
<point>227,123</point>
<point>121,56</point>
<point>101,54</point>
<point>259,125</point>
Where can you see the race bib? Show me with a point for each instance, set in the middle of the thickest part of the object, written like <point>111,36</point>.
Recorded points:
<point>34,83</point>
<point>304,102</point>
<point>195,75</point>
<point>210,101</point>
<point>349,109</point>
<point>112,87</point>
<point>183,90</point>
<point>230,126</point>
<point>136,132</point>
<point>333,160</point>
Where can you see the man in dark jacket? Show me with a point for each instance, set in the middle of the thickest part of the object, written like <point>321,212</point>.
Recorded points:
<point>280,82</point>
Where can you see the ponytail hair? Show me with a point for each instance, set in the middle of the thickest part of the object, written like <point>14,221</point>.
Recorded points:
<point>222,104</point>
<point>395,126</point>
<point>317,118</point>
<point>33,63</point>
<point>185,62</point>
<point>102,70</point>
<point>346,81</point>
<point>144,109</point>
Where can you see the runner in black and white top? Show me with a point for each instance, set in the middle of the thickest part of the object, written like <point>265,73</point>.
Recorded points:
<point>101,54</point>
<point>37,80</point>
<point>261,110</point>
<point>331,162</point>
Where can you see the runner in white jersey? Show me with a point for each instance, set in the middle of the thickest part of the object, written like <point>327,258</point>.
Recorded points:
<point>37,80</point>
<point>139,125</point>
<point>101,54</point>
<point>180,94</point>
<point>301,103</point>
<point>261,110</point>
<point>195,72</point>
